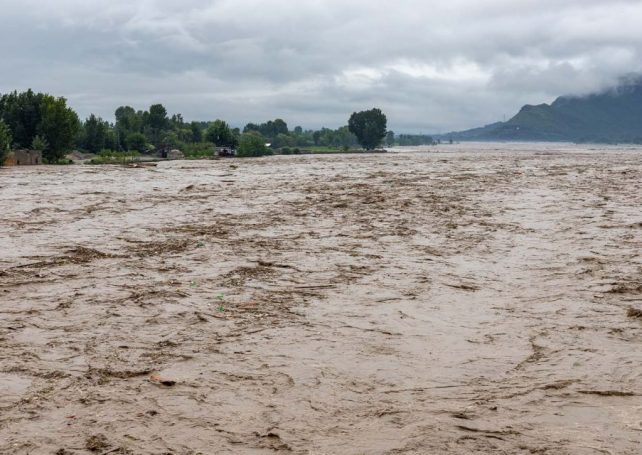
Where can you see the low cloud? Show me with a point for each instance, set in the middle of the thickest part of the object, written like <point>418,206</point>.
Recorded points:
<point>431,66</point>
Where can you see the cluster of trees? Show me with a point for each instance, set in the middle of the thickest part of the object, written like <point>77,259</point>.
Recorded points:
<point>142,131</point>
<point>5,141</point>
<point>42,122</point>
<point>252,143</point>
<point>145,131</point>
<point>370,129</point>
<point>38,121</point>
<point>365,128</point>
<point>414,139</point>
<point>278,135</point>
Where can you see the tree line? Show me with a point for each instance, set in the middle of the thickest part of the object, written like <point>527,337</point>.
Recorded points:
<point>37,121</point>
<point>43,122</point>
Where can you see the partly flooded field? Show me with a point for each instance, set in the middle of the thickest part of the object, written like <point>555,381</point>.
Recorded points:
<point>468,299</point>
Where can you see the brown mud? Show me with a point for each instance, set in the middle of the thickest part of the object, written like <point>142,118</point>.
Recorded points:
<point>473,299</point>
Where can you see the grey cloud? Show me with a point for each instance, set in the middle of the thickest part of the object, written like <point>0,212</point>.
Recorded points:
<point>430,65</point>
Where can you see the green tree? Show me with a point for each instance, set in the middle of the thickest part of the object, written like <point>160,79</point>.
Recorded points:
<point>414,139</point>
<point>177,122</point>
<point>111,140</point>
<point>197,132</point>
<point>369,127</point>
<point>219,133</point>
<point>127,121</point>
<point>278,126</point>
<point>251,127</point>
<point>5,141</point>
<point>270,129</point>
<point>137,142</point>
<point>22,113</point>
<point>157,122</point>
<point>39,143</point>
<point>124,116</point>
<point>344,138</point>
<point>59,127</point>
<point>94,135</point>
<point>30,114</point>
<point>283,140</point>
<point>252,143</point>
<point>172,140</point>
<point>158,117</point>
<point>184,134</point>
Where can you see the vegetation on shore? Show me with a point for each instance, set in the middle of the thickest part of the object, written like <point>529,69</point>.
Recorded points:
<point>39,121</point>
<point>114,157</point>
<point>5,141</point>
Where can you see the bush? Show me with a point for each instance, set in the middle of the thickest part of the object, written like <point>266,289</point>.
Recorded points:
<point>253,144</point>
<point>137,141</point>
<point>172,141</point>
<point>199,150</point>
<point>39,143</point>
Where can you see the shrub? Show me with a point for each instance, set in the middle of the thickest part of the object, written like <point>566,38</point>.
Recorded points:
<point>199,150</point>
<point>253,144</point>
<point>137,141</point>
<point>39,143</point>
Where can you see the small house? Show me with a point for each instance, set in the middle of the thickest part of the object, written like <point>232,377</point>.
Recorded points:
<point>23,158</point>
<point>170,154</point>
<point>224,151</point>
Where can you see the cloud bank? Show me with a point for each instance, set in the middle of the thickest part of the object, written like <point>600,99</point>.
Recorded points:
<point>431,66</point>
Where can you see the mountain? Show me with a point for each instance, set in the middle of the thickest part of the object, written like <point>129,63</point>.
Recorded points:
<point>613,115</point>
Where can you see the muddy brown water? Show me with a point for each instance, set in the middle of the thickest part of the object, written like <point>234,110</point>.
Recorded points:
<point>461,299</point>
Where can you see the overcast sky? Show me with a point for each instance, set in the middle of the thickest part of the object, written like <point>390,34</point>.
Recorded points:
<point>432,66</point>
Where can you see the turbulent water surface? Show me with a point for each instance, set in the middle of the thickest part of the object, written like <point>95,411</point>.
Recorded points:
<point>461,299</point>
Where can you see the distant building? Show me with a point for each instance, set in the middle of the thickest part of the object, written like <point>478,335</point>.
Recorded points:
<point>23,158</point>
<point>170,154</point>
<point>224,151</point>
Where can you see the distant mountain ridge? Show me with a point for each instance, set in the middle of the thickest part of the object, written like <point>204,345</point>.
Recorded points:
<point>613,115</point>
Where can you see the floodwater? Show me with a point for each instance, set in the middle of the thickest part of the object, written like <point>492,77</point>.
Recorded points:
<point>477,298</point>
